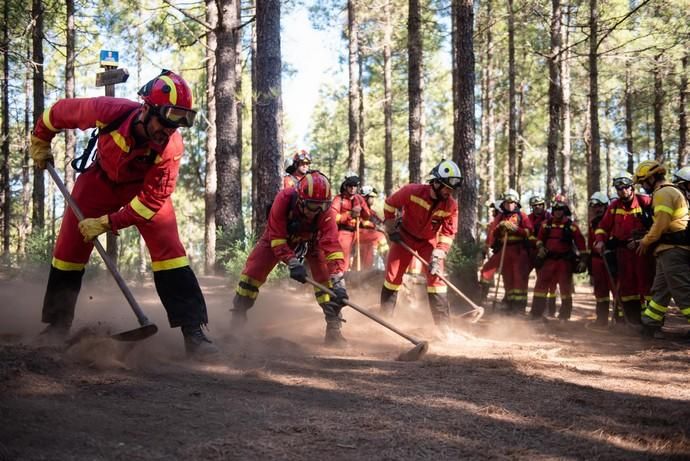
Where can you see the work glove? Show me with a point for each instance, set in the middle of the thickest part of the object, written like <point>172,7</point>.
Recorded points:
<point>437,257</point>
<point>338,288</point>
<point>356,211</point>
<point>508,226</point>
<point>40,152</point>
<point>91,228</point>
<point>581,266</point>
<point>391,228</point>
<point>541,251</point>
<point>297,270</point>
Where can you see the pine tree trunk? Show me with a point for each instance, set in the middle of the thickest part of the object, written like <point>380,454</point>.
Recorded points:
<point>353,93</point>
<point>594,170</point>
<point>25,226</point>
<point>489,113</point>
<point>5,194</point>
<point>566,151</point>
<point>512,97</point>
<point>388,100</point>
<point>415,90</point>
<point>463,139</point>
<point>658,111</point>
<point>211,177</point>
<point>360,117</point>
<point>38,197</point>
<point>70,136</point>
<point>555,100</point>
<point>228,144</point>
<point>269,108</point>
<point>683,149</point>
<point>630,166</point>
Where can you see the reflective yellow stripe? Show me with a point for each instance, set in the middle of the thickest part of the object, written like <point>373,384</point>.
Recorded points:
<point>67,266</point>
<point>442,213</point>
<point>120,141</point>
<point>601,300</point>
<point>630,298</point>
<point>636,210</point>
<point>651,314</point>
<point>663,208</point>
<point>174,263</point>
<point>100,124</point>
<point>46,120</point>
<point>445,239</point>
<point>173,89</point>
<point>441,289</point>
<point>141,209</point>
<point>335,255</point>
<point>680,212</point>
<point>276,242</point>
<point>246,293</point>
<point>420,201</point>
<point>247,279</point>
<point>391,286</point>
<point>539,294</point>
<point>389,208</point>
<point>599,232</point>
<point>685,312</point>
<point>515,237</point>
<point>551,295</point>
<point>657,306</point>
<point>338,216</point>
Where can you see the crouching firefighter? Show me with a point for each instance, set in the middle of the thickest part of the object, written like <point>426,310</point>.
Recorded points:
<point>428,223</point>
<point>129,184</point>
<point>556,241</point>
<point>301,226</point>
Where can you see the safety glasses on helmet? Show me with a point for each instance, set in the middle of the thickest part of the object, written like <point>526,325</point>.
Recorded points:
<point>316,205</point>
<point>452,182</point>
<point>620,183</point>
<point>595,202</point>
<point>175,116</point>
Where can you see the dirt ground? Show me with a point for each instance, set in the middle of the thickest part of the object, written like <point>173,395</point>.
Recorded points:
<point>502,389</point>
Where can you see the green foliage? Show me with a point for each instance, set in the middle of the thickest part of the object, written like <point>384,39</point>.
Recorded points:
<point>235,254</point>
<point>39,247</point>
<point>463,259</point>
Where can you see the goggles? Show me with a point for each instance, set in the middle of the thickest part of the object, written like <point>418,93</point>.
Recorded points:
<point>557,207</point>
<point>175,116</point>
<point>595,203</point>
<point>452,182</point>
<point>623,186</point>
<point>619,183</point>
<point>316,205</point>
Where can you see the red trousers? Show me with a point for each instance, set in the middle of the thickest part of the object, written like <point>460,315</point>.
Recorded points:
<point>515,271</point>
<point>399,259</point>
<point>347,241</point>
<point>369,240</point>
<point>600,279</point>
<point>555,272</point>
<point>635,275</point>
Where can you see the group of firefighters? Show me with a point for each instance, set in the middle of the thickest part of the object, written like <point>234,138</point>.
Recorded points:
<point>638,247</point>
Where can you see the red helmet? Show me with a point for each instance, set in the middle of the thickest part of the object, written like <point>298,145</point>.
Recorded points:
<point>171,99</point>
<point>560,202</point>
<point>314,191</point>
<point>301,155</point>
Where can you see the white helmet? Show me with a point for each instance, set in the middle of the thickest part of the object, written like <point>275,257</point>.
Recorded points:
<point>681,176</point>
<point>598,198</point>
<point>622,179</point>
<point>447,172</point>
<point>369,191</point>
<point>510,195</point>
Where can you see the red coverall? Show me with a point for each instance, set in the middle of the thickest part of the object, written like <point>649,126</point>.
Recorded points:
<point>132,184</point>
<point>425,224</point>
<point>634,273</point>
<point>289,231</point>
<point>515,261</point>
<point>600,278</point>
<point>371,239</point>
<point>557,235</point>
<point>347,225</point>
<point>291,180</point>
<point>537,220</point>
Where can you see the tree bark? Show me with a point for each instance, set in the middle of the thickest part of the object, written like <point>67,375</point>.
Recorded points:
<point>360,117</point>
<point>211,177</point>
<point>463,139</point>
<point>489,112</point>
<point>70,136</point>
<point>388,100</point>
<point>269,108</point>
<point>415,90</point>
<point>228,144</point>
<point>38,197</point>
<point>5,195</point>
<point>555,100</point>
<point>512,97</point>
<point>594,166</point>
<point>658,110</point>
<point>683,149</point>
<point>566,151</point>
<point>629,123</point>
<point>353,92</point>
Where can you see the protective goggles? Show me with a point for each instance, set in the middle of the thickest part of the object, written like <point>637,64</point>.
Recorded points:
<point>453,182</point>
<point>558,206</point>
<point>175,116</point>
<point>595,202</point>
<point>316,205</point>
<point>620,183</point>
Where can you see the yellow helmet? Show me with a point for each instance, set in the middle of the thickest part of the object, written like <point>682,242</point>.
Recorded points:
<point>647,169</point>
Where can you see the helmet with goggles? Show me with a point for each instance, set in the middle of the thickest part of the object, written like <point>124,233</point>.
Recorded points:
<point>598,198</point>
<point>682,176</point>
<point>314,191</point>
<point>536,200</point>
<point>301,156</point>
<point>622,179</point>
<point>510,195</point>
<point>350,181</point>
<point>369,191</point>
<point>560,202</point>
<point>447,172</point>
<point>170,99</point>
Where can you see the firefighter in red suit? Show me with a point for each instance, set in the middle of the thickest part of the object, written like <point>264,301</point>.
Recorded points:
<point>129,183</point>
<point>513,224</point>
<point>370,237</point>
<point>298,167</point>
<point>555,242</point>
<point>350,209</point>
<point>427,223</point>
<point>628,218</point>
<point>537,216</point>
<point>301,225</point>
<point>598,203</point>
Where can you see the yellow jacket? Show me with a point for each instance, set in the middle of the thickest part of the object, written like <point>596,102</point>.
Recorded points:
<point>670,215</point>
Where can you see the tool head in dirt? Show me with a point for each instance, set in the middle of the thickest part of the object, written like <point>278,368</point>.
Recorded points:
<point>475,314</point>
<point>415,353</point>
<point>137,334</point>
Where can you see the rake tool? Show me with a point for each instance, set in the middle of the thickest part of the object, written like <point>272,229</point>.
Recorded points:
<point>500,272</point>
<point>146,328</point>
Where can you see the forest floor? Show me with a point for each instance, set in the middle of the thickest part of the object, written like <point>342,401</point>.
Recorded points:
<point>501,389</point>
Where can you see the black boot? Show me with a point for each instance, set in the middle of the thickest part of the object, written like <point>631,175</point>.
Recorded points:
<point>334,337</point>
<point>196,343</point>
<point>632,311</point>
<point>602,310</point>
<point>566,308</point>
<point>60,299</point>
<point>538,307</point>
<point>181,296</point>
<point>484,288</point>
<point>388,300</point>
<point>551,303</point>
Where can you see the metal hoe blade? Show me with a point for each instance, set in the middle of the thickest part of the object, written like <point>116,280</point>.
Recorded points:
<point>136,334</point>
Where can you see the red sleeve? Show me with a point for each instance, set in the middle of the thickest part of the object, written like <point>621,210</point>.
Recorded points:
<point>491,231</point>
<point>276,228</point>
<point>341,216</point>
<point>449,228</point>
<point>366,211</point>
<point>603,230</point>
<point>329,244</point>
<point>159,184</point>
<point>578,238</point>
<point>395,202</point>
<point>525,228</point>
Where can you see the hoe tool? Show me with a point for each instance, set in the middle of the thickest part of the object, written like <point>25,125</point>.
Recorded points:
<point>420,347</point>
<point>499,273</point>
<point>146,328</point>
